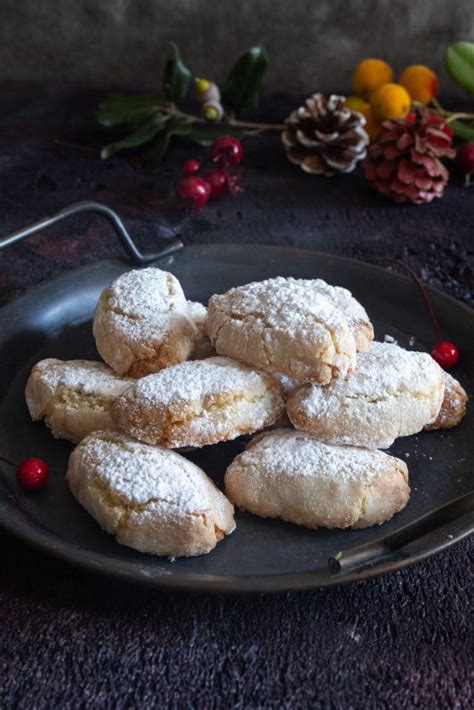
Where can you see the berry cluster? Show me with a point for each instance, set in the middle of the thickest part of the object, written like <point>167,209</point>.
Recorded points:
<point>203,182</point>
<point>379,99</point>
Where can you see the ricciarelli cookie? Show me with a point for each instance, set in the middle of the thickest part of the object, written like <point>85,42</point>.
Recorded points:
<point>304,329</point>
<point>453,407</point>
<point>291,475</point>
<point>149,498</point>
<point>74,396</point>
<point>393,392</point>
<point>198,403</point>
<point>142,323</point>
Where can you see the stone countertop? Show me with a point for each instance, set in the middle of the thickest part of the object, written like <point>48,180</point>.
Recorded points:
<point>71,639</point>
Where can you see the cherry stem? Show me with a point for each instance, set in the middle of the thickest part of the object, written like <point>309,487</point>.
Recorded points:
<point>10,463</point>
<point>424,292</point>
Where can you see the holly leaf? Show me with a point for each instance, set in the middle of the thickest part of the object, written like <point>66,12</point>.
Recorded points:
<point>459,62</point>
<point>125,109</point>
<point>204,136</point>
<point>463,131</point>
<point>141,135</point>
<point>243,87</point>
<point>176,78</point>
<point>175,127</point>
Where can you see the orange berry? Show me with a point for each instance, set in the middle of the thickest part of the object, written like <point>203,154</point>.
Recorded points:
<point>373,127</point>
<point>390,101</point>
<point>356,103</point>
<point>369,75</point>
<point>421,83</point>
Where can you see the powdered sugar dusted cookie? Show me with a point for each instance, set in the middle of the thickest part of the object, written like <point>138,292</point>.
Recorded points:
<point>453,407</point>
<point>142,323</point>
<point>291,475</point>
<point>295,327</point>
<point>151,499</point>
<point>393,392</point>
<point>202,347</point>
<point>74,396</point>
<point>198,403</point>
<point>356,314</point>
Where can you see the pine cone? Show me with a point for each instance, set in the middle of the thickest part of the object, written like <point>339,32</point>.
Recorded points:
<point>404,164</point>
<point>324,136</point>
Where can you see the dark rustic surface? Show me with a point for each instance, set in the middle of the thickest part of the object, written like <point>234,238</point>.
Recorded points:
<point>69,639</point>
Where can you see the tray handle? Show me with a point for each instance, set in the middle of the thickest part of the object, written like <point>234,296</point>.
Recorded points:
<point>453,520</point>
<point>110,215</point>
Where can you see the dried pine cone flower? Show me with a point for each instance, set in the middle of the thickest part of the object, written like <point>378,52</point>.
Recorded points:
<point>404,164</point>
<point>324,136</point>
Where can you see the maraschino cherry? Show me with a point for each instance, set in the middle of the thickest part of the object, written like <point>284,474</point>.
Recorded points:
<point>32,474</point>
<point>445,353</point>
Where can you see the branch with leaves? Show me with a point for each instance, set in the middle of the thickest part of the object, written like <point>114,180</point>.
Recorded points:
<point>150,120</point>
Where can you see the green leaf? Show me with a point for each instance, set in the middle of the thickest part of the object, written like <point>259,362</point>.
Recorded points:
<point>463,131</point>
<point>204,136</point>
<point>138,137</point>
<point>243,87</point>
<point>459,62</point>
<point>176,78</point>
<point>175,127</point>
<point>125,109</point>
<point>159,146</point>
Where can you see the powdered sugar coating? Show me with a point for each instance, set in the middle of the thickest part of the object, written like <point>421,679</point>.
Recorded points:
<point>143,493</point>
<point>286,326</point>
<point>195,380</point>
<point>199,402</point>
<point>290,474</point>
<point>142,322</point>
<point>73,397</point>
<point>202,348</point>
<point>198,313</point>
<point>393,392</point>
<point>350,306</point>
<point>300,454</point>
<point>88,377</point>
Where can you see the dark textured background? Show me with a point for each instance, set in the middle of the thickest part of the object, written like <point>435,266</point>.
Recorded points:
<point>313,44</point>
<point>69,639</point>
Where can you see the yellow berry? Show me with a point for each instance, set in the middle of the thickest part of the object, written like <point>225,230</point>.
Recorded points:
<point>369,75</point>
<point>390,101</point>
<point>421,83</point>
<point>201,85</point>
<point>373,126</point>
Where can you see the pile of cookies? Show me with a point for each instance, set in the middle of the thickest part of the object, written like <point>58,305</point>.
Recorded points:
<point>290,358</point>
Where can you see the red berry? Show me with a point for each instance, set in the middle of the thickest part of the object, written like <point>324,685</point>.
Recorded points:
<point>465,158</point>
<point>217,180</point>
<point>445,353</point>
<point>226,151</point>
<point>32,474</point>
<point>193,190</point>
<point>190,167</point>
<point>220,182</point>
